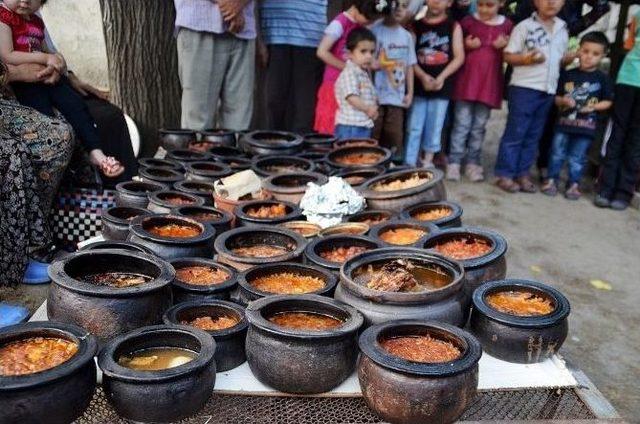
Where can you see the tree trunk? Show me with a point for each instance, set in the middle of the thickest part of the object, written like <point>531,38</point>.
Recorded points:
<point>143,64</point>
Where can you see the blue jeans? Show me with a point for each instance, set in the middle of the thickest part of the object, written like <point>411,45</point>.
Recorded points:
<point>572,148</point>
<point>424,127</point>
<point>344,132</point>
<point>528,110</point>
<point>469,128</point>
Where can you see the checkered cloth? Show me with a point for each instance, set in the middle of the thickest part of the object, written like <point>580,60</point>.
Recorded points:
<point>354,81</point>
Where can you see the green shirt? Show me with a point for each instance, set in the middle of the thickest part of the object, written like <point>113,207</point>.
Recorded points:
<point>630,70</point>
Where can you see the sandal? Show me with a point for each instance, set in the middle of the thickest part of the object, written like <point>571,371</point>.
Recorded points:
<point>526,185</point>
<point>549,188</point>
<point>508,185</point>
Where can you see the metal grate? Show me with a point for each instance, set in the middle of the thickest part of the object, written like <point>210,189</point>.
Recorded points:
<point>534,404</point>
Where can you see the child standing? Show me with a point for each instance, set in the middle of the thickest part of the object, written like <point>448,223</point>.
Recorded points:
<point>22,35</point>
<point>582,93</point>
<point>355,94</point>
<point>536,51</point>
<point>393,78</point>
<point>622,162</point>
<point>440,52</point>
<point>478,87</point>
<point>333,53</point>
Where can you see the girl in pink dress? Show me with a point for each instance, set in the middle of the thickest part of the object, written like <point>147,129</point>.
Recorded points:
<point>479,86</point>
<point>332,51</point>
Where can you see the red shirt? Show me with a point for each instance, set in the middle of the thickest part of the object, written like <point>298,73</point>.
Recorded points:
<point>28,35</point>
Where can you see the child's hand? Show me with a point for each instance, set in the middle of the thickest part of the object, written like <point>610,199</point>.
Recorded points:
<point>568,102</point>
<point>471,42</point>
<point>569,57</point>
<point>534,57</point>
<point>438,84</point>
<point>372,112</point>
<point>500,42</point>
<point>56,62</point>
<point>236,24</point>
<point>427,82</point>
<point>375,65</point>
<point>407,100</point>
<point>587,109</point>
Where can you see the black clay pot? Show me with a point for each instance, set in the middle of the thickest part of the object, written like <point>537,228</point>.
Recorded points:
<point>520,339</point>
<point>173,247</point>
<point>316,247</point>
<point>245,219</point>
<point>446,304</point>
<point>116,220</point>
<point>381,232</point>
<point>275,165</point>
<point>353,142</point>
<point>58,395</point>
<point>319,142</point>
<point>292,242</point>
<point>218,137</point>
<point>317,158</point>
<point>223,153</point>
<point>396,200</point>
<point>134,194</point>
<point>270,143</point>
<point>336,157</point>
<point>291,187</point>
<point>116,244</point>
<point>230,351</point>
<point>306,229</point>
<point>207,171</point>
<point>186,156</point>
<point>217,218</point>
<point>407,392</point>
<point>160,163</point>
<point>202,189</point>
<point>492,266</point>
<point>248,291</point>
<point>165,176</point>
<point>159,396</point>
<point>355,177</point>
<point>236,164</point>
<point>301,361</point>
<point>104,310</point>
<point>454,219</point>
<point>371,217</point>
<point>166,200</point>
<point>183,291</point>
<point>175,138</point>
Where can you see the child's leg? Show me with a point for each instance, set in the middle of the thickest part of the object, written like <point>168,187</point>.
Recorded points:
<point>75,111</point>
<point>577,157</point>
<point>345,132</point>
<point>393,130</point>
<point>518,120</point>
<point>35,96</point>
<point>559,149</point>
<point>462,121</point>
<point>481,114</point>
<point>415,127</point>
<point>541,104</point>
<point>436,114</point>
<point>378,124</point>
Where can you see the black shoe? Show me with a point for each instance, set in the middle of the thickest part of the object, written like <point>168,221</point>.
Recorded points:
<point>601,201</point>
<point>619,205</point>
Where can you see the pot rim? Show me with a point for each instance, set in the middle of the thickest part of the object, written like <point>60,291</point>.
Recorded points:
<point>246,163</point>
<point>127,246</point>
<point>137,228</point>
<point>170,317</point>
<point>370,347</point>
<point>300,223</point>
<point>255,318</point>
<point>239,212</point>
<point>349,142</point>
<point>561,312</point>
<point>311,255</point>
<point>377,229</point>
<point>156,200</point>
<point>223,172</point>
<point>324,137</point>
<point>268,184</point>
<point>456,211</point>
<point>250,139</point>
<point>221,241</point>
<point>330,279</point>
<point>107,214</point>
<point>225,218</point>
<point>378,296</point>
<point>168,163</point>
<point>335,152</point>
<point>222,132</point>
<point>60,277</point>
<point>87,348</point>
<point>112,369</point>
<point>331,230</point>
<point>259,161</point>
<point>122,188</point>
<point>498,250</point>
<point>392,215</point>
<point>233,153</point>
<point>341,172</point>
<point>369,193</point>
<point>200,289</point>
<point>175,175</point>
<point>177,131</point>
<point>186,155</point>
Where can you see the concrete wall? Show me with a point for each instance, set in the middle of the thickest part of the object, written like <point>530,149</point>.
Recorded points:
<point>76,29</point>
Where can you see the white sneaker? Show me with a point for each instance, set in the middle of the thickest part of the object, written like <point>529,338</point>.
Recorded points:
<point>453,172</point>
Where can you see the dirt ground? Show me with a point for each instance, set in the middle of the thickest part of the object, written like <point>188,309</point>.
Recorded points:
<point>591,255</point>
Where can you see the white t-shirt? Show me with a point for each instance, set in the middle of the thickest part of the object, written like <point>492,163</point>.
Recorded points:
<point>532,34</point>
